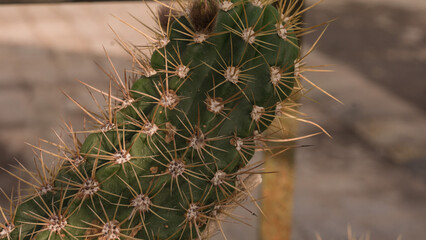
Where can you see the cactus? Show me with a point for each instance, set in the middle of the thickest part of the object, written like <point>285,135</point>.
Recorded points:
<point>167,157</point>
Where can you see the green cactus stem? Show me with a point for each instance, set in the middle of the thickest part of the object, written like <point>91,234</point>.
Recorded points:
<point>166,157</point>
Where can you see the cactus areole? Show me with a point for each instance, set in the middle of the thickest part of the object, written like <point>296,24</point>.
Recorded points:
<point>169,153</point>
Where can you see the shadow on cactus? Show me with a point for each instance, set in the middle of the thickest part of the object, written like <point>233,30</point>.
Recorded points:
<point>171,153</point>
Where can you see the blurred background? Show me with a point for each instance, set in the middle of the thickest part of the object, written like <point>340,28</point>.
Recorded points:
<point>371,175</point>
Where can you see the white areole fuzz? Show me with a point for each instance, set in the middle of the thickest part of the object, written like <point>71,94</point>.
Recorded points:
<point>56,223</point>
<point>176,168</point>
<point>122,156</point>
<point>249,35</point>
<point>275,75</point>
<point>111,230</point>
<point>215,105</point>
<point>232,74</point>
<point>257,3</point>
<point>237,142</point>
<point>200,37</point>
<point>197,141</point>
<point>89,188</point>
<point>192,212</point>
<point>141,203</point>
<point>226,5</point>
<point>257,112</point>
<point>182,71</point>
<point>149,128</point>
<point>218,178</point>
<point>169,99</point>
<point>281,31</point>
<point>162,42</point>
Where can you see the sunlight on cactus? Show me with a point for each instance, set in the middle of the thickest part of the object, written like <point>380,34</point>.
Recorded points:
<point>169,155</point>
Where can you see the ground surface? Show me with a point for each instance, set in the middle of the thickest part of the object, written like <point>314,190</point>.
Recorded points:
<point>371,175</point>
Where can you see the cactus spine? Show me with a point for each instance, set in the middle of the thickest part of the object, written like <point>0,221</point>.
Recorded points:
<point>166,157</point>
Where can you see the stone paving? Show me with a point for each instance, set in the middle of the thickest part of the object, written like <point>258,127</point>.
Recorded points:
<point>371,175</point>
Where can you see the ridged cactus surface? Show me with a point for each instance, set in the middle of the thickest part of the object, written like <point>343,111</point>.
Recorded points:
<point>167,155</point>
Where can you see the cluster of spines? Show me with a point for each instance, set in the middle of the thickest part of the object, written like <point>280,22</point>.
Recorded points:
<point>157,164</point>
